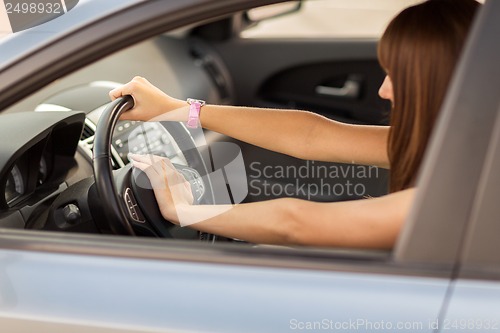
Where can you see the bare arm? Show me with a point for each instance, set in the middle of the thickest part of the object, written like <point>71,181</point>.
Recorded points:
<point>300,134</point>
<point>368,223</point>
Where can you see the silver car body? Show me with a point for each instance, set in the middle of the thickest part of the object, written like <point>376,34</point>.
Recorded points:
<point>443,271</point>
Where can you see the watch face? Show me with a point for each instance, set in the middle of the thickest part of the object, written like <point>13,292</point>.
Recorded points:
<point>193,100</point>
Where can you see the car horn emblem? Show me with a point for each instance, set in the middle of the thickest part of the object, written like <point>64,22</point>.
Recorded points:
<point>25,14</point>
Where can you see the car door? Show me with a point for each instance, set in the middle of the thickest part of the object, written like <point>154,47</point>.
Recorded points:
<point>108,284</point>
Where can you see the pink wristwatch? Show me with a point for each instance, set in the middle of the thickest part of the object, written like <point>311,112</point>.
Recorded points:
<point>194,112</point>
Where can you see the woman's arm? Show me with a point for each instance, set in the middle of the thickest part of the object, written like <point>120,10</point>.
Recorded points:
<point>369,223</point>
<point>300,134</point>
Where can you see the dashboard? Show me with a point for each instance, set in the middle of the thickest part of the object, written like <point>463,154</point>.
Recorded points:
<point>35,161</point>
<point>20,180</point>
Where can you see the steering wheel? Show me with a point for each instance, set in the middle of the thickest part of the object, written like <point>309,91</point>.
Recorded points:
<point>126,196</point>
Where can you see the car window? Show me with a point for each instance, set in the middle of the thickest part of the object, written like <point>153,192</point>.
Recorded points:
<point>328,19</point>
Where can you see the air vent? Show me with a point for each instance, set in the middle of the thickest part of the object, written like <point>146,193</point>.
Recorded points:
<point>87,132</point>
<point>87,145</point>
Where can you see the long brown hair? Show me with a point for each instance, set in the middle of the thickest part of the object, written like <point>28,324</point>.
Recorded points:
<point>419,50</point>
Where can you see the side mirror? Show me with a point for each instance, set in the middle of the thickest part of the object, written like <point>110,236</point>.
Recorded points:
<point>263,13</point>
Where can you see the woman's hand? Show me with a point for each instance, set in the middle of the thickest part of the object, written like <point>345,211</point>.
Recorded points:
<point>150,102</point>
<point>171,189</point>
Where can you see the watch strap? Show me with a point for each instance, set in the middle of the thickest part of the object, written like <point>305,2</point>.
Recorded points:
<point>194,112</point>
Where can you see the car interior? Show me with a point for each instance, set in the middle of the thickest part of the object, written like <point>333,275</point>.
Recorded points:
<point>47,172</point>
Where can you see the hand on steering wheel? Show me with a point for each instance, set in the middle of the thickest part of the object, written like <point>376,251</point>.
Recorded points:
<point>130,208</point>
<point>171,189</point>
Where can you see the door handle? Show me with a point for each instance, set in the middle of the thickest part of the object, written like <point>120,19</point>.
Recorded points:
<point>350,90</point>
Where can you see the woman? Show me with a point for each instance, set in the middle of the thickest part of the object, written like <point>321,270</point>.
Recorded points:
<point>418,51</point>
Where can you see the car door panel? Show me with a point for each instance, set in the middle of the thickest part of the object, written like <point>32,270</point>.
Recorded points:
<point>335,78</point>
<point>161,295</point>
<point>344,90</point>
<point>265,68</point>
